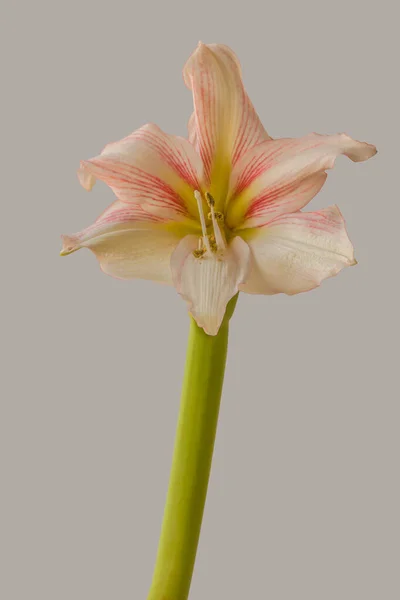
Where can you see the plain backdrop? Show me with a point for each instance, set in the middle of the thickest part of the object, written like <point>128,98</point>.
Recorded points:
<point>304,494</point>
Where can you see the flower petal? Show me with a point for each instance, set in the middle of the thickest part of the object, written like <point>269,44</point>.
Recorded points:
<point>208,283</point>
<point>224,124</point>
<point>282,176</point>
<point>129,243</point>
<point>148,167</point>
<point>296,252</point>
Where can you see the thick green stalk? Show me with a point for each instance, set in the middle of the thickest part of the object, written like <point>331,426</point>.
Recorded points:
<point>194,444</point>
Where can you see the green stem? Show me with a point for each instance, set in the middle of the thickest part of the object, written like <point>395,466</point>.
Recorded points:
<point>194,444</point>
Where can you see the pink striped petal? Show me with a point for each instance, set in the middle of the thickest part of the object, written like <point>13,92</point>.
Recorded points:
<point>224,124</point>
<point>208,283</point>
<point>296,252</point>
<point>148,167</point>
<point>282,176</point>
<point>129,243</point>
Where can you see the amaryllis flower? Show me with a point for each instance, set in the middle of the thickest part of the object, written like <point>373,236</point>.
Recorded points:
<point>220,211</point>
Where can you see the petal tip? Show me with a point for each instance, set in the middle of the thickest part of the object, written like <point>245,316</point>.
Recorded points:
<point>202,47</point>
<point>357,151</point>
<point>70,244</point>
<point>86,179</point>
<point>211,331</point>
<point>208,324</point>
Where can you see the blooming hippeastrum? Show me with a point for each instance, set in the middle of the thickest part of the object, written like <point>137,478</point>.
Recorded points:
<point>219,212</point>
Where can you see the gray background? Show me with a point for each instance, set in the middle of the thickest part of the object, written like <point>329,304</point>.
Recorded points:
<point>304,495</point>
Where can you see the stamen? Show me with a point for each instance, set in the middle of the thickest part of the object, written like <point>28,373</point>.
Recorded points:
<point>215,242</point>
<point>217,232</point>
<point>199,199</point>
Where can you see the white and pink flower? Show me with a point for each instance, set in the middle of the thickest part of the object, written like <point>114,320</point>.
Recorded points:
<point>221,211</point>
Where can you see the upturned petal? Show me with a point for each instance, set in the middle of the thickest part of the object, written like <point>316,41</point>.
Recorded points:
<point>129,243</point>
<point>296,252</point>
<point>224,124</point>
<point>209,282</point>
<point>282,176</point>
<point>148,167</point>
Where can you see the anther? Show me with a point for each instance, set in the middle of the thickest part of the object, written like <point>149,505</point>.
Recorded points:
<point>210,200</point>
<point>199,253</point>
<point>218,215</point>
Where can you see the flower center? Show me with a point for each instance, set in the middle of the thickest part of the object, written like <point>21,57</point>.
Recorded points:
<point>214,242</point>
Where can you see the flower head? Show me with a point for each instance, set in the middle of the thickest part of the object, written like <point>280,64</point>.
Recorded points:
<point>221,211</point>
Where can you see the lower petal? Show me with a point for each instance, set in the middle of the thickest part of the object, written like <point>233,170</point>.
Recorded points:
<point>209,282</point>
<point>129,243</point>
<point>296,252</point>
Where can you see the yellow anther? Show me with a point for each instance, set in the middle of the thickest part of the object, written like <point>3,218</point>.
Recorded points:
<point>199,253</point>
<point>218,216</point>
<point>214,247</point>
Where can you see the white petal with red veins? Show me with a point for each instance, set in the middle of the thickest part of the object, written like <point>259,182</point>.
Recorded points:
<point>224,124</point>
<point>129,243</point>
<point>296,252</point>
<point>282,176</point>
<point>208,283</point>
<point>148,167</point>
